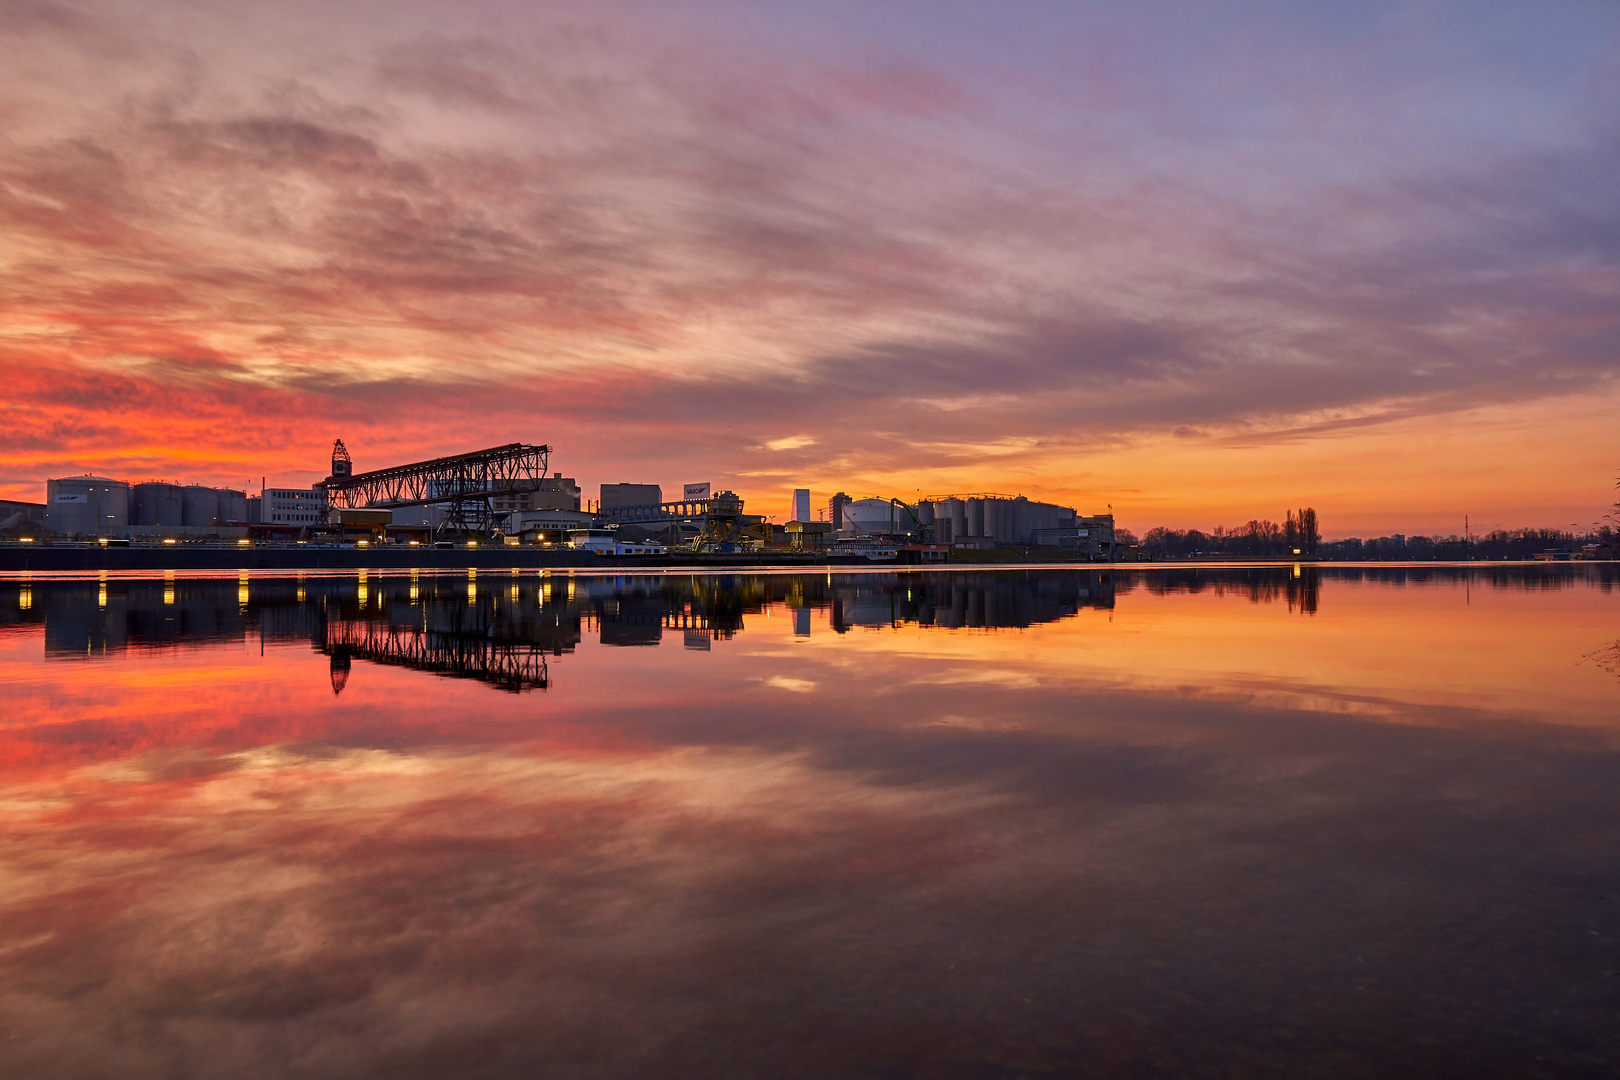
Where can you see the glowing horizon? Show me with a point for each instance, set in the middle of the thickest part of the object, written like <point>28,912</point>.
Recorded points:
<point>1199,265</point>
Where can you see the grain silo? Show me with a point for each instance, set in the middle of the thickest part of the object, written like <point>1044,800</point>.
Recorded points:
<point>199,506</point>
<point>232,505</point>
<point>86,506</point>
<point>159,503</point>
<point>975,518</point>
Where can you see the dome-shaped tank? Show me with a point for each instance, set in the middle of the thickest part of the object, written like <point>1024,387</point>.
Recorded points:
<point>159,503</point>
<point>878,516</point>
<point>86,506</point>
<point>199,506</point>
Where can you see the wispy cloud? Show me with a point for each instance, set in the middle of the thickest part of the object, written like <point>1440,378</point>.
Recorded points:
<point>564,221</point>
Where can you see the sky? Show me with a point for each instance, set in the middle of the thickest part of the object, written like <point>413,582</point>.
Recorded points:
<point>1197,263</point>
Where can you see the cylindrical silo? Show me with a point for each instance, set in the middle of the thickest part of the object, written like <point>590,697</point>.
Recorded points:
<point>159,503</point>
<point>199,506</point>
<point>975,517</point>
<point>86,506</point>
<point>999,526</point>
<point>232,505</point>
<point>925,512</point>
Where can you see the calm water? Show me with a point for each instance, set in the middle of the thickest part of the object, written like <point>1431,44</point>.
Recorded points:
<point>1026,823</point>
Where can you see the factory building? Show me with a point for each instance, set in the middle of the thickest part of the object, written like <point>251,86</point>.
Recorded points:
<point>614,495</point>
<point>86,506</point>
<point>835,511</point>
<point>304,507</point>
<point>21,516</point>
<point>976,521</point>
<point>554,492</point>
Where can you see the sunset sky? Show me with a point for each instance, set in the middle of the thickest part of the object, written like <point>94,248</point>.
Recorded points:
<point>1202,262</point>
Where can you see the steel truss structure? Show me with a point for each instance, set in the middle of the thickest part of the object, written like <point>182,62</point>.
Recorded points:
<point>463,484</point>
<point>721,524</point>
<point>510,665</point>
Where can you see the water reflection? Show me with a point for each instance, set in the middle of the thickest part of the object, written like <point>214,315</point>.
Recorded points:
<point>447,625</point>
<point>1212,823</point>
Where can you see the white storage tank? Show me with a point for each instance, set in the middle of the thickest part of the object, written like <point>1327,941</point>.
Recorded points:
<point>159,503</point>
<point>232,505</point>
<point>86,506</point>
<point>877,516</point>
<point>975,517</point>
<point>199,506</point>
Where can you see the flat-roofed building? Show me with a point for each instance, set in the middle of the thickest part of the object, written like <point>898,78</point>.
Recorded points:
<point>630,495</point>
<point>304,507</point>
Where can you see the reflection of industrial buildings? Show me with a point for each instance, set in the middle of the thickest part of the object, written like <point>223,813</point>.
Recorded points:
<point>499,628</point>
<point>505,494</point>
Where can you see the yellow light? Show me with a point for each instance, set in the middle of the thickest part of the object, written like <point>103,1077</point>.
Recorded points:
<point>26,539</point>
<point>26,599</point>
<point>416,543</point>
<point>102,540</point>
<point>168,594</point>
<point>244,543</point>
<point>472,543</point>
<point>168,540</point>
<point>363,543</point>
<point>1296,551</point>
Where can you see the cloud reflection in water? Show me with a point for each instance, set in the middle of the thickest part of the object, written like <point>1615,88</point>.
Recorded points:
<point>1139,829</point>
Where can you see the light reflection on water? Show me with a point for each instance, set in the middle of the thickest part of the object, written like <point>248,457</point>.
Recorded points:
<point>1119,822</point>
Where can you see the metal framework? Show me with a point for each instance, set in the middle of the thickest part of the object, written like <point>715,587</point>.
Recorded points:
<point>510,665</point>
<point>722,526</point>
<point>463,484</point>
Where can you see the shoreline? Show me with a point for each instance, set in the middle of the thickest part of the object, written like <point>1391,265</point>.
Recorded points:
<point>88,559</point>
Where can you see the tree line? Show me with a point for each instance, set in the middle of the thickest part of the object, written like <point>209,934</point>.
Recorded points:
<point>1300,535</point>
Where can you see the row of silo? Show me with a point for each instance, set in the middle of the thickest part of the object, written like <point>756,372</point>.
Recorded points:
<point>994,519</point>
<point>194,506</point>
<point>97,506</point>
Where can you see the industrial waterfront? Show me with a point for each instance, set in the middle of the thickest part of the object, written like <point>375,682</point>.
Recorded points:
<point>504,497</point>
<point>1124,820</point>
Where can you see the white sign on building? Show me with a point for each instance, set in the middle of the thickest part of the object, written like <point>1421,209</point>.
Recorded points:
<point>697,492</point>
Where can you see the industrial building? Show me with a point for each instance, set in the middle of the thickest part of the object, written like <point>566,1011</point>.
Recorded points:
<point>619,495</point>
<point>975,521</point>
<point>554,492</point>
<point>305,507</point>
<point>506,492</point>
<point>21,516</point>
